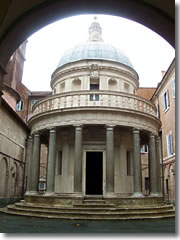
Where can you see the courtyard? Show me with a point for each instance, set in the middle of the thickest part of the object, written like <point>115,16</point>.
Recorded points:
<point>19,224</point>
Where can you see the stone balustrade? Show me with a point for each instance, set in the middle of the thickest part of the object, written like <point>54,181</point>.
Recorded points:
<point>96,99</point>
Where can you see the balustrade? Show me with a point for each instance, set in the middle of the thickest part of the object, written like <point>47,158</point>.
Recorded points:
<point>78,99</point>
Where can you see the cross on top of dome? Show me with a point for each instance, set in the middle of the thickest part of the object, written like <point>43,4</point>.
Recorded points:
<point>95,31</point>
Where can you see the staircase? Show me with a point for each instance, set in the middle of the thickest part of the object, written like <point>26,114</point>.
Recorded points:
<point>91,209</point>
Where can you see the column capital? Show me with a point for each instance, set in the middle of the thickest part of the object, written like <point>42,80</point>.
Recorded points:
<point>157,139</point>
<point>52,130</point>
<point>152,135</point>
<point>78,127</point>
<point>30,138</point>
<point>110,127</point>
<point>136,131</point>
<point>36,134</point>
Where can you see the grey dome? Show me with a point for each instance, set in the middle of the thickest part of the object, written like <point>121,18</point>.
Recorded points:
<point>95,51</point>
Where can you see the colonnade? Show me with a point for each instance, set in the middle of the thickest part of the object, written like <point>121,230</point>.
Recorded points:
<point>33,154</point>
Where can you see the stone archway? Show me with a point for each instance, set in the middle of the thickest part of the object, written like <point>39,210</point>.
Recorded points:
<point>35,16</point>
<point>172,182</point>
<point>3,177</point>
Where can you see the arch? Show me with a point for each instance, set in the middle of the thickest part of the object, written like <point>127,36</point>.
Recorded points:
<point>166,180</point>
<point>46,12</point>
<point>3,177</point>
<point>14,172</point>
<point>172,182</point>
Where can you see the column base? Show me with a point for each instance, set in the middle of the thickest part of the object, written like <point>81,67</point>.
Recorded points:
<point>49,193</point>
<point>137,195</point>
<point>78,194</point>
<point>29,193</point>
<point>109,195</point>
<point>155,195</point>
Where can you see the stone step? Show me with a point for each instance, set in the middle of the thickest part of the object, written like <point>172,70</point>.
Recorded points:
<point>104,208</point>
<point>97,202</point>
<point>89,216</point>
<point>93,205</point>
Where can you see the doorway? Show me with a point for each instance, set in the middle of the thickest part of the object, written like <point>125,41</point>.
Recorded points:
<point>94,173</point>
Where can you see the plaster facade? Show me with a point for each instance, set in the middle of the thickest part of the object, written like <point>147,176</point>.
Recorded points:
<point>13,137</point>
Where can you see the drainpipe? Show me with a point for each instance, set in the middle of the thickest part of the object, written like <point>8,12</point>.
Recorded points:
<point>25,163</point>
<point>162,172</point>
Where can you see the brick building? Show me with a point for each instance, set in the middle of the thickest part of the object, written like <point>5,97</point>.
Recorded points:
<point>164,99</point>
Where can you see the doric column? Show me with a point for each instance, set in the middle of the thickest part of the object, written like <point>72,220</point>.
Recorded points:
<point>78,160</point>
<point>153,165</point>
<point>137,174</point>
<point>35,163</point>
<point>51,162</point>
<point>29,164</point>
<point>158,165</point>
<point>109,159</point>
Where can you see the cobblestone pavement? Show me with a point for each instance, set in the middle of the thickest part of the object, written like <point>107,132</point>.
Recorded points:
<point>19,224</point>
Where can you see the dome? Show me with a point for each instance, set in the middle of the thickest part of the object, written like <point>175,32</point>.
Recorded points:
<point>96,51</point>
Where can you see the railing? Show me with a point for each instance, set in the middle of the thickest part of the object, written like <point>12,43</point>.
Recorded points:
<point>103,99</point>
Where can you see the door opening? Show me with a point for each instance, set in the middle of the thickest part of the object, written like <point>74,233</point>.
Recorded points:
<point>94,173</point>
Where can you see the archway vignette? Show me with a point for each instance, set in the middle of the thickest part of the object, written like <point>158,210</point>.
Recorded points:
<point>50,11</point>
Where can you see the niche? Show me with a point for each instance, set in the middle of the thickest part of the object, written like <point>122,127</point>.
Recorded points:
<point>112,84</point>
<point>76,84</point>
<point>126,87</point>
<point>62,87</point>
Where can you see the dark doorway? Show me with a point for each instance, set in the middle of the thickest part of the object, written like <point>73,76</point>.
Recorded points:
<point>94,173</point>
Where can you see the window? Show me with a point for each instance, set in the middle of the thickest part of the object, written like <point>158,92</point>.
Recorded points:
<point>59,164</point>
<point>129,163</point>
<point>19,105</point>
<point>144,149</point>
<point>165,100</point>
<point>94,86</point>
<point>94,97</point>
<point>173,87</point>
<point>170,144</point>
<point>33,102</point>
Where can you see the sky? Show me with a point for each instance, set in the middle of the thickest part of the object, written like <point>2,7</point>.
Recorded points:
<point>148,52</point>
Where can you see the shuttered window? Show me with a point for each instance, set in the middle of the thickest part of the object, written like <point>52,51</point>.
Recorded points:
<point>170,144</point>
<point>173,87</point>
<point>19,105</point>
<point>165,100</point>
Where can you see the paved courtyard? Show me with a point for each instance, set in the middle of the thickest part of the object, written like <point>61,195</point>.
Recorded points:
<point>19,224</point>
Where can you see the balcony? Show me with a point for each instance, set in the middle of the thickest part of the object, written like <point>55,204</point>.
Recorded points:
<point>94,100</point>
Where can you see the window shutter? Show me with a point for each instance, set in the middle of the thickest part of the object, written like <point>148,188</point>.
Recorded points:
<point>171,144</point>
<point>169,147</point>
<point>173,87</point>
<point>163,103</point>
<point>167,98</point>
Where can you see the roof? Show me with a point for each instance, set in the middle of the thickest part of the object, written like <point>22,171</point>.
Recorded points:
<point>94,51</point>
<point>146,93</point>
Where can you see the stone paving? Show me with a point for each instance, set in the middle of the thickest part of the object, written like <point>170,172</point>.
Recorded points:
<point>20,224</point>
